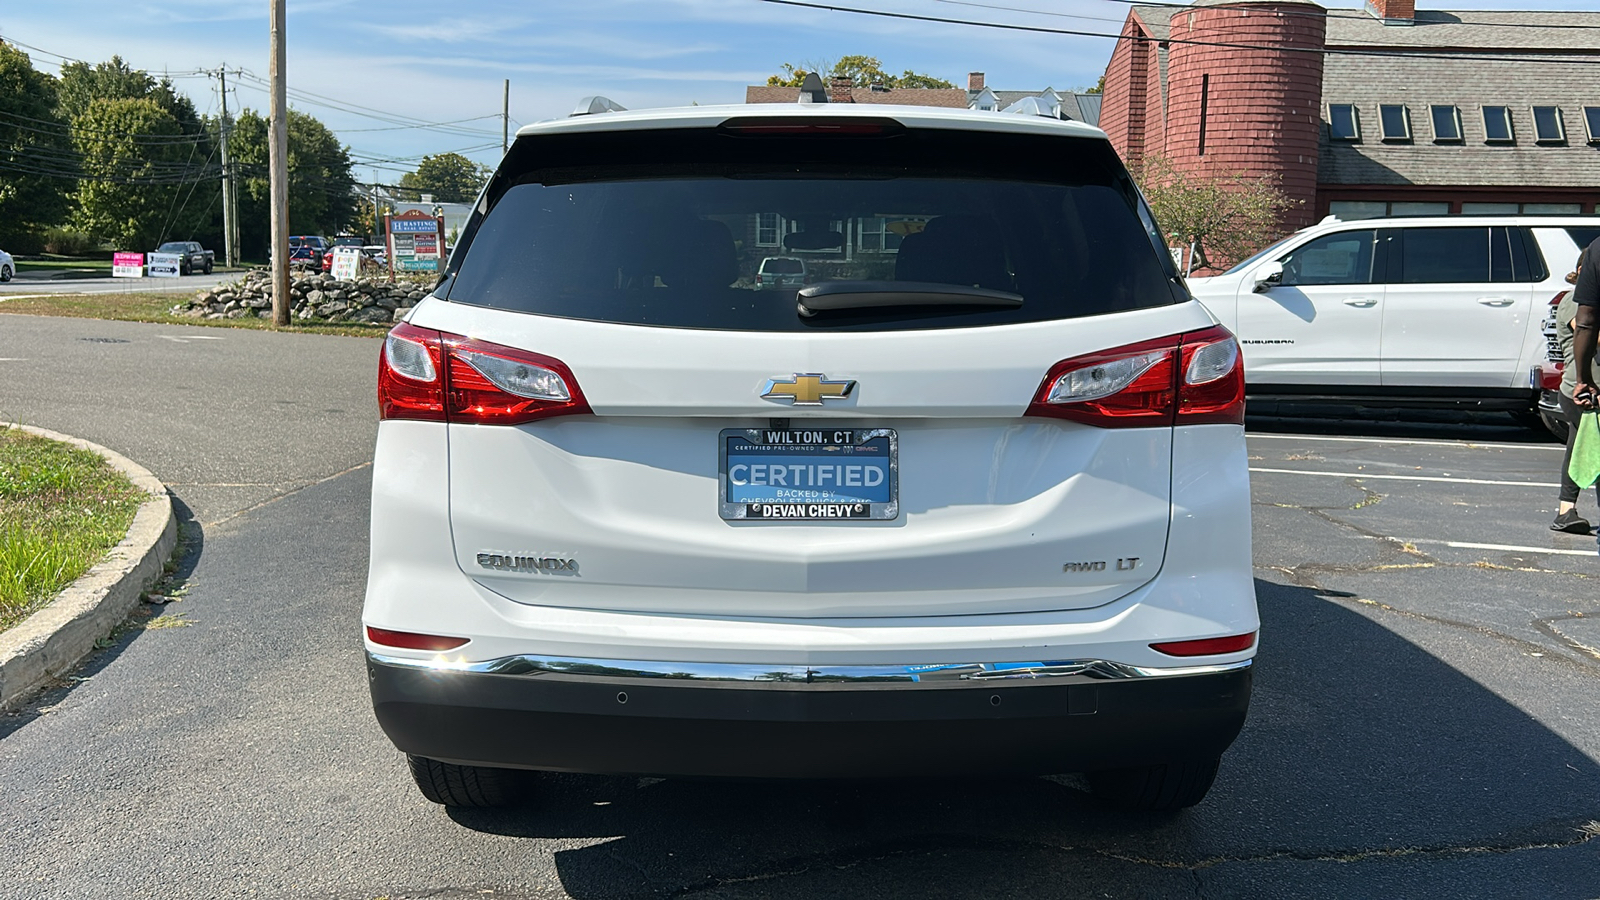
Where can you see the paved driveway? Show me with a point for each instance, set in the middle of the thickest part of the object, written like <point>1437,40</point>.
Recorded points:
<point>1426,720</point>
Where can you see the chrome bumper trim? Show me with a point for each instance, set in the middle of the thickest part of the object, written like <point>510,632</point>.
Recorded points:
<point>1088,670</point>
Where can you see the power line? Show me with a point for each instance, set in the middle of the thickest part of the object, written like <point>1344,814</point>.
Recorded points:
<point>1325,51</point>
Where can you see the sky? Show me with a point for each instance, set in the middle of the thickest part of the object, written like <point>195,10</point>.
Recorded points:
<point>370,68</point>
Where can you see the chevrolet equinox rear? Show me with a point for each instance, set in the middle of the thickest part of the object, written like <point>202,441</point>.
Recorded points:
<point>972,501</point>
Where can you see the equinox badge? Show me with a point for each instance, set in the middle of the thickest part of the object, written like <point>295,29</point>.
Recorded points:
<point>807,390</point>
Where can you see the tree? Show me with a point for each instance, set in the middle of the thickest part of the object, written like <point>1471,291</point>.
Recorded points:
<point>322,197</point>
<point>1226,217</point>
<point>132,175</point>
<point>37,166</point>
<point>449,177</point>
<point>863,71</point>
<point>81,84</point>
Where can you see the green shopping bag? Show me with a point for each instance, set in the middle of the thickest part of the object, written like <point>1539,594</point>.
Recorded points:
<point>1585,465</point>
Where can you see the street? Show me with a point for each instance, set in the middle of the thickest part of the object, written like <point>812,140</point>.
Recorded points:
<point>40,283</point>
<point>1425,722</point>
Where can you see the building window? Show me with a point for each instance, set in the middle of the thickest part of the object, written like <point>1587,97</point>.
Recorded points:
<point>1446,124</point>
<point>1497,125</point>
<point>1548,128</point>
<point>768,230</point>
<point>1205,101</point>
<point>1343,122</point>
<point>1552,209</point>
<point>1488,209</point>
<point>879,235</point>
<point>1396,122</point>
<point>1419,208</point>
<point>1591,119</point>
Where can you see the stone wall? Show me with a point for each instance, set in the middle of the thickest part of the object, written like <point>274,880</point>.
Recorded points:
<point>317,297</point>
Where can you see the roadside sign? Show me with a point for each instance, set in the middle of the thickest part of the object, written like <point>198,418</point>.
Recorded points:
<point>416,242</point>
<point>346,263</point>
<point>164,265</point>
<point>127,265</point>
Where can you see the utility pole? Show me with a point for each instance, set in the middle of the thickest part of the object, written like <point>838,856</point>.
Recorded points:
<point>505,120</point>
<point>230,256</point>
<point>279,163</point>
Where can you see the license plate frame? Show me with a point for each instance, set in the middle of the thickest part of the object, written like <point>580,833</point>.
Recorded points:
<point>869,444</point>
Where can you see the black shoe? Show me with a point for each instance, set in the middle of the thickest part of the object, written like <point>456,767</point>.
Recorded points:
<point>1571,523</point>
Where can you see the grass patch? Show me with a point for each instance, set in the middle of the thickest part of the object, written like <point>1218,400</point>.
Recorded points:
<point>61,509</point>
<point>155,307</point>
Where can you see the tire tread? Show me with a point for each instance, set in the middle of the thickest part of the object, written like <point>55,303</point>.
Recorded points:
<point>463,786</point>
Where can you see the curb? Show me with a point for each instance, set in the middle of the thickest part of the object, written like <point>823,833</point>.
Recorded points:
<point>56,638</point>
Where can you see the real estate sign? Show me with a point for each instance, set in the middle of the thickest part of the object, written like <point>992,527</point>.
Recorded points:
<point>416,242</point>
<point>127,265</point>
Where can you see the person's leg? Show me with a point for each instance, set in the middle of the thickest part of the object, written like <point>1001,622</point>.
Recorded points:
<point>1567,518</point>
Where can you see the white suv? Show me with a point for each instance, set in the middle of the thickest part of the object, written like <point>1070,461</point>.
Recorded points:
<point>1421,311</point>
<point>974,501</point>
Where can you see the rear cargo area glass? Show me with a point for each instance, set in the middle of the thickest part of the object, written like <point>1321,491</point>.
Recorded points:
<point>671,228</point>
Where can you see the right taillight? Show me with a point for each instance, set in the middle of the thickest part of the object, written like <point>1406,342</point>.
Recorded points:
<point>1185,379</point>
<point>437,376</point>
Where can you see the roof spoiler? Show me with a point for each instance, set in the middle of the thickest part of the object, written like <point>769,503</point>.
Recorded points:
<point>589,106</point>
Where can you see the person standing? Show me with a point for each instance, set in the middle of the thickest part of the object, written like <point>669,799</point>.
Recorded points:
<point>1567,518</point>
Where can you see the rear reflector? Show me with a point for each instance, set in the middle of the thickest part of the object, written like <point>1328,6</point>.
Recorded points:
<point>407,640</point>
<point>1184,379</point>
<point>1208,646</point>
<point>435,376</point>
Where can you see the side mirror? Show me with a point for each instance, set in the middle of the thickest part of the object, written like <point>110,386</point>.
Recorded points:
<point>1268,276</point>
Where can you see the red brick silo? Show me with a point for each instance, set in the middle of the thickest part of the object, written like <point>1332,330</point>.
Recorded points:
<point>1249,98</point>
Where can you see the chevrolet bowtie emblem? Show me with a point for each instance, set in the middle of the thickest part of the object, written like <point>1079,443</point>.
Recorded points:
<point>807,390</point>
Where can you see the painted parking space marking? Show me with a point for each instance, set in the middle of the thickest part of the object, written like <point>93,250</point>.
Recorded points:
<point>186,338</point>
<point>1432,478</point>
<point>1469,445</point>
<point>1506,548</point>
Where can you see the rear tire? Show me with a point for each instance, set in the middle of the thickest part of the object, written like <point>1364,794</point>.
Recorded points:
<point>1554,424</point>
<point>5,274</point>
<point>1166,787</point>
<point>468,787</point>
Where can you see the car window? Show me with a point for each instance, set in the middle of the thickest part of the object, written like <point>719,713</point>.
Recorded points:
<point>1449,256</point>
<point>783,266</point>
<point>1259,255</point>
<point>583,226</point>
<point>1583,235</point>
<point>1342,258</point>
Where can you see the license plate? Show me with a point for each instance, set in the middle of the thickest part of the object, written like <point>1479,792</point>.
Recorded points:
<point>809,474</point>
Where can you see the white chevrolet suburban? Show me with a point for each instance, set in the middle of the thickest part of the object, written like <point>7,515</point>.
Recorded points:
<point>974,500</point>
<point>1403,311</point>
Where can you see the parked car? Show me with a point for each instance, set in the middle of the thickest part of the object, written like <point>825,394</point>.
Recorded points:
<point>1403,311</point>
<point>191,256</point>
<point>308,249</point>
<point>8,266</point>
<point>988,515</point>
<point>777,272</point>
<point>375,254</point>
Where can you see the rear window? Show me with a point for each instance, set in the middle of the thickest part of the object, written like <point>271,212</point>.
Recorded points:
<point>670,228</point>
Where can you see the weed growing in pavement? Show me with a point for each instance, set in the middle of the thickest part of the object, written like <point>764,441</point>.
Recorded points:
<point>61,509</point>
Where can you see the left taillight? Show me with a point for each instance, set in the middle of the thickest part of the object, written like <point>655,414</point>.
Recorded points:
<point>1183,379</point>
<point>438,376</point>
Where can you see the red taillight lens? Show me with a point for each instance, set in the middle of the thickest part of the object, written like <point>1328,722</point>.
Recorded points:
<point>411,374</point>
<point>408,640</point>
<point>1186,379</point>
<point>1212,388</point>
<point>494,385</point>
<point>435,376</point>
<point>1208,646</point>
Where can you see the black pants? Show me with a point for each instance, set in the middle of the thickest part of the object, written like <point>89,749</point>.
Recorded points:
<point>1569,488</point>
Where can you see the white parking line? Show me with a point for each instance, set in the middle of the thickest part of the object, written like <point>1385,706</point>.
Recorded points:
<point>1537,484</point>
<point>1498,445</point>
<point>184,339</point>
<point>1509,548</point>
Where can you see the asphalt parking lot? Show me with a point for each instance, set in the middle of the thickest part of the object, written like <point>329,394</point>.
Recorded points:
<point>1426,718</point>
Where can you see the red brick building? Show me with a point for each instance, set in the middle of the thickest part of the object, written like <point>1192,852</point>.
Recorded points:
<point>1387,111</point>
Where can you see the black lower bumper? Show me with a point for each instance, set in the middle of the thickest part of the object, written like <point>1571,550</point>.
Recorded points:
<point>658,727</point>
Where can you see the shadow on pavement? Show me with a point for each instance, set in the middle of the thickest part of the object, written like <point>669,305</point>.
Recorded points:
<point>1359,744</point>
<point>1328,418</point>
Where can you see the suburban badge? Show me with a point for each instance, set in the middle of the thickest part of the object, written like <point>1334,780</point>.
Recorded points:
<point>807,389</point>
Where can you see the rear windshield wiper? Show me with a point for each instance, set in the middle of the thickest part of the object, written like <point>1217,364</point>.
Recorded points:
<point>871,294</point>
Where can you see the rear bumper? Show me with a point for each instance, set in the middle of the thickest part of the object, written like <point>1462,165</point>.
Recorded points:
<point>634,722</point>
